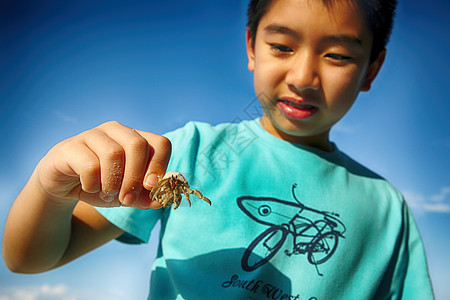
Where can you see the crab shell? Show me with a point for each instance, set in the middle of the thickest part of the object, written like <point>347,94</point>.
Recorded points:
<point>169,189</point>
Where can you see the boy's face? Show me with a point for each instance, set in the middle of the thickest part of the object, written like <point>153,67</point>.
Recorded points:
<point>310,62</point>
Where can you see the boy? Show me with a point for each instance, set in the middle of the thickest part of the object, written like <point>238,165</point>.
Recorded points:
<point>292,217</point>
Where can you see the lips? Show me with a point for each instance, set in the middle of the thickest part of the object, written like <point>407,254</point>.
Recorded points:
<point>296,109</point>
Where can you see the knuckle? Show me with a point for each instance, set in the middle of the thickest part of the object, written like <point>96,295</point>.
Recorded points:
<point>138,144</point>
<point>164,142</point>
<point>89,135</point>
<point>113,153</point>
<point>107,126</point>
<point>162,154</point>
<point>157,167</point>
<point>111,124</point>
<point>83,135</point>
<point>89,177</point>
<point>133,182</point>
<point>91,168</point>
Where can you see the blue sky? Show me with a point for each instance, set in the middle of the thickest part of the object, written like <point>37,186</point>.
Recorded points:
<point>67,66</point>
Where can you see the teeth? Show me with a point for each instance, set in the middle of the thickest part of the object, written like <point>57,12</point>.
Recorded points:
<point>301,106</point>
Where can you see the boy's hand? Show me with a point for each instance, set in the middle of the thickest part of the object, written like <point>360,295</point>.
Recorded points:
<point>109,165</point>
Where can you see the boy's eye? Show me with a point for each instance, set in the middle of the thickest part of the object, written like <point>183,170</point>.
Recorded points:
<point>338,57</point>
<point>281,48</point>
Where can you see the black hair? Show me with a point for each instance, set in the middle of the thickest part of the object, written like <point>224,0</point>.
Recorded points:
<point>379,16</point>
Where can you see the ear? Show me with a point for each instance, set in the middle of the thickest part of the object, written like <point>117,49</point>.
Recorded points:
<point>372,71</point>
<point>250,51</point>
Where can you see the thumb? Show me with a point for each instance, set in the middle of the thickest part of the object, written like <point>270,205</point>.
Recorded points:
<point>160,151</point>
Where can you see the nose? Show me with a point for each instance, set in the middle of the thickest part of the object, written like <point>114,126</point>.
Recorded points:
<point>303,73</point>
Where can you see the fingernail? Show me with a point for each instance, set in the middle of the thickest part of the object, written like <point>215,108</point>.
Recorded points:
<point>151,180</point>
<point>107,197</point>
<point>129,199</point>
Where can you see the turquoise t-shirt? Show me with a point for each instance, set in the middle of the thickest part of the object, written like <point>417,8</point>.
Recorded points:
<point>286,222</point>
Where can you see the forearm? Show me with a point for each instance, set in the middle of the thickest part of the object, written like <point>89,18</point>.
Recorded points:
<point>37,231</point>
<point>53,220</point>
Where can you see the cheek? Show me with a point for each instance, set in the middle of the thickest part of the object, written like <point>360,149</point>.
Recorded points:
<point>267,76</point>
<point>259,82</point>
<point>341,87</point>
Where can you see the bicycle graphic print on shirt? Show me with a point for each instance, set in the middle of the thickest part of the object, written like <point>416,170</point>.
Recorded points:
<point>315,233</point>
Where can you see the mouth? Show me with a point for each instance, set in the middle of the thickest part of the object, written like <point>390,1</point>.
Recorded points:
<point>297,105</point>
<point>295,109</point>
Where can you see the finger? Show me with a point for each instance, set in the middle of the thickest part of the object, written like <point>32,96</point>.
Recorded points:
<point>111,156</point>
<point>154,205</point>
<point>143,200</point>
<point>160,152</point>
<point>95,200</point>
<point>136,150</point>
<point>77,160</point>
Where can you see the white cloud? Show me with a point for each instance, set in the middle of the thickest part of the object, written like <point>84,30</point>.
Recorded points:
<point>44,292</point>
<point>65,117</point>
<point>442,196</point>
<point>52,292</point>
<point>437,203</point>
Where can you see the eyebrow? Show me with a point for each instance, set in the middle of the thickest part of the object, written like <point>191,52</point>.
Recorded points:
<point>340,38</point>
<point>275,28</point>
<point>345,39</point>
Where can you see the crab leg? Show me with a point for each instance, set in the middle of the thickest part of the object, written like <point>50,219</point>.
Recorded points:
<point>171,187</point>
<point>157,188</point>
<point>187,198</point>
<point>199,195</point>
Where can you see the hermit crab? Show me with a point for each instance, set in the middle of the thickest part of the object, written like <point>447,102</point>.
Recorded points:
<point>168,190</point>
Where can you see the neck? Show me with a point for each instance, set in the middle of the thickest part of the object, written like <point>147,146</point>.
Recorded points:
<point>320,141</point>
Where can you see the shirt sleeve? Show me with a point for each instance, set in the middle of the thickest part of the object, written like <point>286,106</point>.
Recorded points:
<point>136,223</point>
